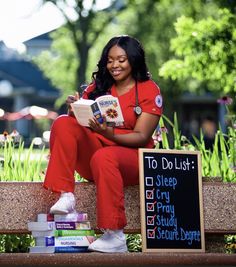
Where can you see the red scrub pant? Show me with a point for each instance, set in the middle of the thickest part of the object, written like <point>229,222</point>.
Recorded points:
<point>111,167</point>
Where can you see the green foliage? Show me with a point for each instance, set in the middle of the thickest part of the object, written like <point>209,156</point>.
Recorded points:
<point>67,62</point>
<point>134,242</point>
<point>13,243</point>
<point>59,64</point>
<point>230,245</point>
<point>205,50</point>
<point>218,162</point>
<point>24,165</point>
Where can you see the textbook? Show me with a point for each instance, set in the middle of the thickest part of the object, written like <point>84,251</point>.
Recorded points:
<point>108,105</point>
<point>53,249</point>
<point>43,233</point>
<point>45,217</point>
<point>74,233</point>
<point>71,217</point>
<point>64,241</point>
<point>73,225</point>
<point>41,226</point>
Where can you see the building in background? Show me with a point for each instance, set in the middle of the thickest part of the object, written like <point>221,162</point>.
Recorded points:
<point>22,84</point>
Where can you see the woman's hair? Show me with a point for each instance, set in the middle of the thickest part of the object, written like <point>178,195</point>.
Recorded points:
<point>136,57</point>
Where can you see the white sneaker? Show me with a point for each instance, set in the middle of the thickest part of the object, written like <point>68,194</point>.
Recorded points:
<point>65,204</point>
<point>110,241</point>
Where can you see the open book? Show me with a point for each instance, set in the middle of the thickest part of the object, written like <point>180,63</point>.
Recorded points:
<point>108,105</point>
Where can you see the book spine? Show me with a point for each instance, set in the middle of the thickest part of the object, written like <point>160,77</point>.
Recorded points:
<point>74,233</point>
<point>73,241</point>
<point>70,249</point>
<point>41,249</point>
<point>77,217</point>
<point>72,225</point>
<point>65,241</point>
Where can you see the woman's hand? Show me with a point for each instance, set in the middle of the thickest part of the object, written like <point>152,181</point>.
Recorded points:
<point>71,99</point>
<point>101,128</point>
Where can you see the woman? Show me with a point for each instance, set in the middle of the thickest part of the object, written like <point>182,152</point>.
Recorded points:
<point>108,156</point>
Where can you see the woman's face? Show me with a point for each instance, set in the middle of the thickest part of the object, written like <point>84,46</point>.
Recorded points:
<point>118,64</point>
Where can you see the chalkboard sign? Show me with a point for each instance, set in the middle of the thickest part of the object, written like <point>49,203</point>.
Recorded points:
<point>171,200</point>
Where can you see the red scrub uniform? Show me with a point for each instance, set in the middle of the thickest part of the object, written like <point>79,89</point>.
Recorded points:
<point>110,166</point>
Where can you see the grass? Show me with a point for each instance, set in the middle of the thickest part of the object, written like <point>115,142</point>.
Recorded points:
<point>21,164</point>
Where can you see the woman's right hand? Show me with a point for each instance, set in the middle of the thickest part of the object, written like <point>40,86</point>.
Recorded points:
<point>72,98</point>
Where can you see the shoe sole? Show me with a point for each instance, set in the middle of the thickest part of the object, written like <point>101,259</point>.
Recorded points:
<point>61,212</point>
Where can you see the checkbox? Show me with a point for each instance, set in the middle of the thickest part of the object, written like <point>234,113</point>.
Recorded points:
<point>150,194</point>
<point>150,206</point>
<point>149,181</point>
<point>151,233</point>
<point>151,220</point>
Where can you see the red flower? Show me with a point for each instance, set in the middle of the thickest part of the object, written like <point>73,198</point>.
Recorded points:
<point>111,113</point>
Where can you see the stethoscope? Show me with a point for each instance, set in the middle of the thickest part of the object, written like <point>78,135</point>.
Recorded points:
<point>137,108</point>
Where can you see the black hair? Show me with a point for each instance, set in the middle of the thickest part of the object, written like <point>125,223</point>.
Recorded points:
<point>136,57</point>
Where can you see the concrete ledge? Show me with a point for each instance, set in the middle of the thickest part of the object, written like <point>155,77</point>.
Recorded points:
<point>118,259</point>
<point>22,201</point>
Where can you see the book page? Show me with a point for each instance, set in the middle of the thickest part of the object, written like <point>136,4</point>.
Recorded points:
<point>83,111</point>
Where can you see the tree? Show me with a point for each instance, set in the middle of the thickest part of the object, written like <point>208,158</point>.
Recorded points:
<point>65,65</point>
<point>152,22</point>
<point>205,51</point>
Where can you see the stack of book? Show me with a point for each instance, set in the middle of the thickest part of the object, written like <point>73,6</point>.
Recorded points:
<point>61,233</point>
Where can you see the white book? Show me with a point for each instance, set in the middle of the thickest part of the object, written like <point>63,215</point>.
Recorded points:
<point>71,217</point>
<point>43,233</point>
<point>45,217</point>
<point>41,249</point>
<point>41,226</point>
<point>108,105</point>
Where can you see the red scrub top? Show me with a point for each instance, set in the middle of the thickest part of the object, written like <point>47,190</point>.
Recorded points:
<point>149,99</point>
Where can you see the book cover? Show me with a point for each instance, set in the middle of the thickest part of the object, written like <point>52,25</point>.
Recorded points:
<point>64,241</point>
<point>71,217</point>
<point>74,233</point>
<point>41,226</point>
<point>41,249</point>
<point>73,225</point>
<point>53,249</point>
<point>108,105</point>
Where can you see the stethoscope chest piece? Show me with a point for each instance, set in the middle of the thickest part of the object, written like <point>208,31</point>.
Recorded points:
<point>138,110</point>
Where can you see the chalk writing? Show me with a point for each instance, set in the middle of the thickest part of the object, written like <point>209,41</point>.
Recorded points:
<point>171,198</point>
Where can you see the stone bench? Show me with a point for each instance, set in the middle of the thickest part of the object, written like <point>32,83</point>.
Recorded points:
<point>22,201</point>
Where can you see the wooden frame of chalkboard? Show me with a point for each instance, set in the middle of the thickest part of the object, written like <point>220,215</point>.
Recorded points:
<point>171,204</point>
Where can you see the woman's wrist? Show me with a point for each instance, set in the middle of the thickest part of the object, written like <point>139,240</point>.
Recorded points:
<point>109,133</point>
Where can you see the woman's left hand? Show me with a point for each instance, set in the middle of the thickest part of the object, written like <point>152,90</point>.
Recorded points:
<point>100,128</point>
